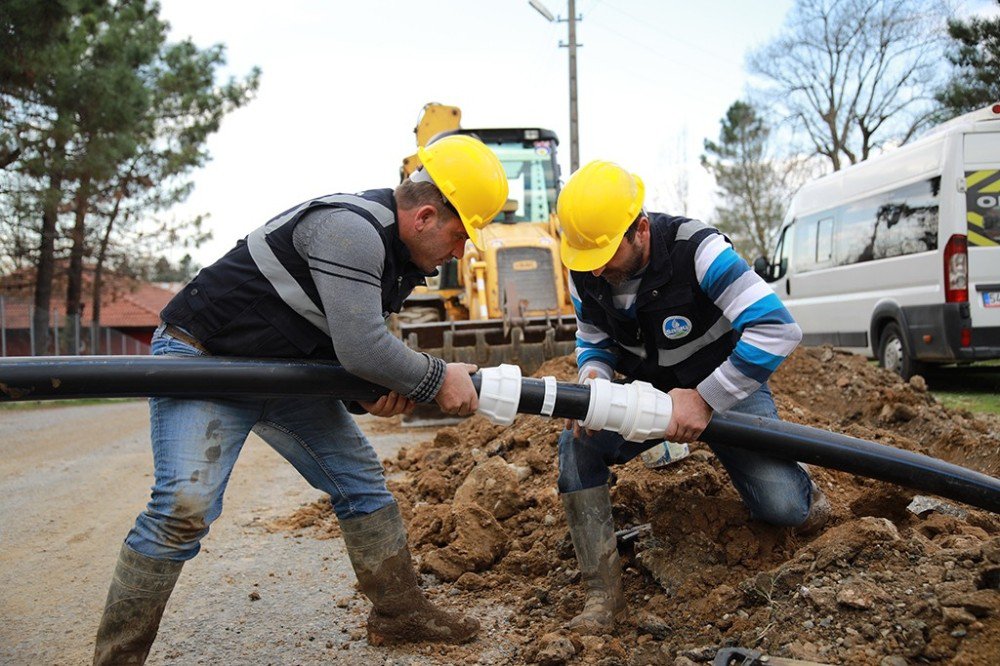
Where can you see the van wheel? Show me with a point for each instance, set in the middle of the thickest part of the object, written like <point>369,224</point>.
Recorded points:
<point>892,354</point>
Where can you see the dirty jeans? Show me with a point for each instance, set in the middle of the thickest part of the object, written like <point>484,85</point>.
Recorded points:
<point>776,491</point>
<point>196,443</point>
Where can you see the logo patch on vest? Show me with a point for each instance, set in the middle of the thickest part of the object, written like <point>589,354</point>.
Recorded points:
<point>675,327</point>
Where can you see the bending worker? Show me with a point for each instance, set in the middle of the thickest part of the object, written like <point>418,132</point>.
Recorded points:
<point>317,281</point>
<point>665,300</point>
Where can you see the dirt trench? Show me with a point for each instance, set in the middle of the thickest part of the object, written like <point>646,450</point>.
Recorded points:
<point>878,585</point>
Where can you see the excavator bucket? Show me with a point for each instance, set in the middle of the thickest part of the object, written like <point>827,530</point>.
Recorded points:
<point>527,343</point>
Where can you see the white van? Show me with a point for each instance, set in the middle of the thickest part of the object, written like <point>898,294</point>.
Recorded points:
<point>898,257</point>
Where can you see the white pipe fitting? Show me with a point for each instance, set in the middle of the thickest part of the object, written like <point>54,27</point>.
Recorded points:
<point>636,411</point>
<point>500,393</point>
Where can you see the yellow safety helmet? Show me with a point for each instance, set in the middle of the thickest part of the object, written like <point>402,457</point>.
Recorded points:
<point>595,209</point>
<point>471,178</point>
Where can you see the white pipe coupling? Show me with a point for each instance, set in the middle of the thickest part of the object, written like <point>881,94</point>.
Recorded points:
<point>500,393</point>
<point>636,411</point>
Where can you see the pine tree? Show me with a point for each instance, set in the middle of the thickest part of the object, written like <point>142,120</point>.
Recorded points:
<point>101,120</point>
<point>752,188</point>
<point>975,81</point>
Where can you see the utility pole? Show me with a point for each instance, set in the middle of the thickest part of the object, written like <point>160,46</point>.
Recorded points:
<point>574,124</point>
<point>574,120</point>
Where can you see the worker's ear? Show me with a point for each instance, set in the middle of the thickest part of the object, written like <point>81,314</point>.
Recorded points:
<point>642,230</point>
<point>426,216</point>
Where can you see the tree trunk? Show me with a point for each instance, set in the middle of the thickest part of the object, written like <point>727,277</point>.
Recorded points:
<point>46,264</point>
<point>95,308</point>
<point>74,279</point>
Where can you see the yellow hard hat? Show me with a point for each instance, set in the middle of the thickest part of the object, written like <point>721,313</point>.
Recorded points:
<point>595,209</point>
<point>471,178</point>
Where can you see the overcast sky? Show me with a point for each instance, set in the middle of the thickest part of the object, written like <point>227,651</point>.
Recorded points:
<point>343,83</point>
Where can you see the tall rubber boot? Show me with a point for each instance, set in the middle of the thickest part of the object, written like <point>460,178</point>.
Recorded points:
<point>139,591</point>
<point>401,613</point>
<point>819,513</point>
<point>591,527</point>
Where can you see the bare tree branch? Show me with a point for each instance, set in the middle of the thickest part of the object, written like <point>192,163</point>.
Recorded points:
<point>855,74</point>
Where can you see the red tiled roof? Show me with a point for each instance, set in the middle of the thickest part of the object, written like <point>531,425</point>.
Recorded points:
<point>125,303</point>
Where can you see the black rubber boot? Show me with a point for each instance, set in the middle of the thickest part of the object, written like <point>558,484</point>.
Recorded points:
<point>401,613</point>
<point>592,529</point>
<point>139,592</point>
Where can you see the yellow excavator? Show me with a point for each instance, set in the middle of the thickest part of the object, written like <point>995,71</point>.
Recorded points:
<point>508,303</point>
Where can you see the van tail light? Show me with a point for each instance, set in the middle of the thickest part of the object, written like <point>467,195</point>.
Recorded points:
<point>956,270</point>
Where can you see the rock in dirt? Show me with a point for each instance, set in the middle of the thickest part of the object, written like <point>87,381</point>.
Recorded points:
<point>471,539</point>
<point>556,648</point>
<point>493,485</point>
<point>922,504</point>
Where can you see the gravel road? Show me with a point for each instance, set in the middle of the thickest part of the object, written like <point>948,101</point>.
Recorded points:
<point>73,478</point>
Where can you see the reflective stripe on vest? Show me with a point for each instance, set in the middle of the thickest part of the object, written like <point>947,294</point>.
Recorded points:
<point>669,357</point>
<point>271,268</point>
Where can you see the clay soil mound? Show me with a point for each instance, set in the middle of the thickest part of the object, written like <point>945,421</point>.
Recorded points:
<point>879,585</point>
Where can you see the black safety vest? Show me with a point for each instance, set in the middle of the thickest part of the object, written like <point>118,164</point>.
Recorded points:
<point>679,336</point>
<point>260,300</point>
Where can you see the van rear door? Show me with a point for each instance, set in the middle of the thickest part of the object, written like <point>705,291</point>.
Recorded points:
<point>982,202</point>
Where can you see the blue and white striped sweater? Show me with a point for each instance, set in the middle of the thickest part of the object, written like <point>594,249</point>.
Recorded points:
<point>768,334</point>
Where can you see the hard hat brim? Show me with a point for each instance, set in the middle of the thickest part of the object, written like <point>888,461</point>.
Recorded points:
<point>475,235</point>
<point>588,260</point>
<point>474,214</point>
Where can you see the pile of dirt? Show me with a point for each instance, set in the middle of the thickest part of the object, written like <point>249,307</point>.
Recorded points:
<point>879,585</point>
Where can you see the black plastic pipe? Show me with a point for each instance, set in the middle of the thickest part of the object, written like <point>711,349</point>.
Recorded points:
<point>793,441</point>
<point>813,446</point>
<point>54,378</point>
<point>61,377</point>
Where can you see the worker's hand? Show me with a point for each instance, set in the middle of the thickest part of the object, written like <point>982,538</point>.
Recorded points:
<point>389,405</point>
<point>689,417</point>
<point>573,424</point>
<point>457,395</point>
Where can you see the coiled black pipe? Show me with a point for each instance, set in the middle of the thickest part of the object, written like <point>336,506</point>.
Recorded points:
<point>54,378</point>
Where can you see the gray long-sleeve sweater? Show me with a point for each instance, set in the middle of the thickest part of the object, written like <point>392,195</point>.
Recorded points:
<point>346,257</point>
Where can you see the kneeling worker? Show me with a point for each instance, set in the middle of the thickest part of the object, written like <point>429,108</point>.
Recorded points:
<point>317,281</point>
<point>666,300</point>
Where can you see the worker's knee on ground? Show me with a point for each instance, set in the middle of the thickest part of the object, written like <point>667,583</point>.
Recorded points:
<point>781,510</point>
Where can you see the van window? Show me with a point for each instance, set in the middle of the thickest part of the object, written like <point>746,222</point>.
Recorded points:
<point>779,262</point>
<point>824,240</point>
<point>804,246</point>
<point>903,221</point>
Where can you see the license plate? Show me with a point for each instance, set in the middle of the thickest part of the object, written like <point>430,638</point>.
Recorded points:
<point>991,299</point>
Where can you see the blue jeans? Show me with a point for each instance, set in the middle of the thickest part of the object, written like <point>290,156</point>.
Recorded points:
<point>776,491</point>
<point>196,443</point>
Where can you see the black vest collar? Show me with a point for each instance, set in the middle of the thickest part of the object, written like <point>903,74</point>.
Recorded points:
<point>657,272</point>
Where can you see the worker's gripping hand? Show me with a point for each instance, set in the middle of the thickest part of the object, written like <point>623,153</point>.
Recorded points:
<point>573,424</point>
<point>689,417</point>
<point>458,395</point>
<point>389,405</point>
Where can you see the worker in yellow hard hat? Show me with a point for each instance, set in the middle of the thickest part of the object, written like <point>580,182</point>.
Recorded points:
<point>666,300</point>
<point>317,281</point>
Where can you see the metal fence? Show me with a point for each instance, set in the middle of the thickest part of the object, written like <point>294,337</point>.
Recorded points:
<point>71,337</point>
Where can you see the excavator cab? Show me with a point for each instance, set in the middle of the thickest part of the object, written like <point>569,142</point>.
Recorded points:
<point>507,303</point>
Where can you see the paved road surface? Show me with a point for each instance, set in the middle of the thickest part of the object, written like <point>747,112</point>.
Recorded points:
<point>72,480</point>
